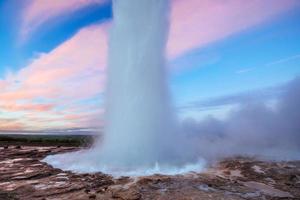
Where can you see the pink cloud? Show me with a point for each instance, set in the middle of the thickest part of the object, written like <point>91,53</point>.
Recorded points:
<point>75,70</point>
<point>11,124</point>
<point>38,12</point>
<point>79,61</point>
<point>26,107</point>
<point>196,23</point>
<point>71,72</point>
<point>92,118</point>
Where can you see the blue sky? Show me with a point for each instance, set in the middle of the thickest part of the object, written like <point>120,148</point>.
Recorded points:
<point>250,47</point>
<point>261,57</point>
<point>16,53</point>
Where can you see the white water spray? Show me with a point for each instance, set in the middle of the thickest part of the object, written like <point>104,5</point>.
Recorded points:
<point>139,118</point>
<point>140,130</point>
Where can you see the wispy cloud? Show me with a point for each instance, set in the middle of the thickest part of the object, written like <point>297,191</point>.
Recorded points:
<point>48,89</point>
<point>26,107</point>
<point>11,124</point>
<point>245,70</point>
<point>197,23</point>
<point>38,12</point>
<point>194,23</point>
<point>253,96</point>
<point>270,64</point>
<point>283,60</point>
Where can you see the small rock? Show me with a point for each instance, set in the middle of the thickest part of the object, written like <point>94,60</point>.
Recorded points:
<point>92,196</point>
<point>101,190</point>
<point>293,178</point>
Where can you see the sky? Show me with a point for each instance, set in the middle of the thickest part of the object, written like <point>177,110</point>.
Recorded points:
<point>53,59</point>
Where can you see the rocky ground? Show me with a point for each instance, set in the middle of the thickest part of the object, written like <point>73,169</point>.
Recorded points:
<point>23,176</point>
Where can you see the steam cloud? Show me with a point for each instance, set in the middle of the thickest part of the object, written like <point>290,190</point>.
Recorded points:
<point>252,129</point>
<point>141,136</point>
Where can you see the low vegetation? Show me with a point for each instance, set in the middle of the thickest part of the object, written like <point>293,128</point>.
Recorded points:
<point>46,140</point>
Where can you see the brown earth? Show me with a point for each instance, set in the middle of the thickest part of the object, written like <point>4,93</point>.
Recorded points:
<point>23,176</point>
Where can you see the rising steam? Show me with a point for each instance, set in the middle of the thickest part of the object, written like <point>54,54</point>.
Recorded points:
<point>141,134</point>
<point>254,129</point>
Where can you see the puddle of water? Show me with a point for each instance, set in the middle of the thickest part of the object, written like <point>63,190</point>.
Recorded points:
<point>206,188</point>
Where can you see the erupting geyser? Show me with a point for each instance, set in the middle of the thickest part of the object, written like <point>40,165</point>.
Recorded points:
<point>140,128</point>
<point>139,118</point>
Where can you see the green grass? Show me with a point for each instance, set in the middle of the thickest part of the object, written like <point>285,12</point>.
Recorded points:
<point>46,140</point>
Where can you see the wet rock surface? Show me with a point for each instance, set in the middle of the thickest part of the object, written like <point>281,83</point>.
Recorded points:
<point>24,176</point>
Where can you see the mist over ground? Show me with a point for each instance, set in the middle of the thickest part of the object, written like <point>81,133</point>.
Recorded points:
<point>252,128</point>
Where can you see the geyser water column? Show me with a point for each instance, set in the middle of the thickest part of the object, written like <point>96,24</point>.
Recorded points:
<point>139,120</point>
<point>140,132</point>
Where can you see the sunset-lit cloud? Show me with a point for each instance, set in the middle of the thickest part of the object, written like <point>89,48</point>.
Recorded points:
<point>52,90</point>
<point>26,107</point>
<point>72,72</point>
<point>37,12</point>
<point>196,23</point>
<point>11,124</point>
